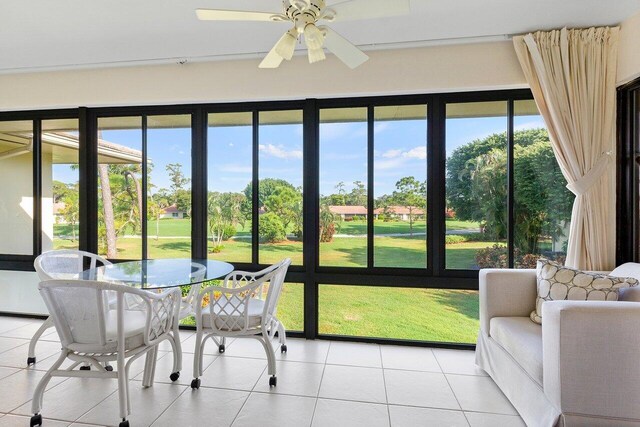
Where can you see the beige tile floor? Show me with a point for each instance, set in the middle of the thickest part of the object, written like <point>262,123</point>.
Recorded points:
<point>320,383</point>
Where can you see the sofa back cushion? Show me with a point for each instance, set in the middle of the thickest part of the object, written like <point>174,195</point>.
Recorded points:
<point>557,282</point>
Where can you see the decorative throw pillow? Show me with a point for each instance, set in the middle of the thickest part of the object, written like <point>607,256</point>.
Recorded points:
<point>557,282</point>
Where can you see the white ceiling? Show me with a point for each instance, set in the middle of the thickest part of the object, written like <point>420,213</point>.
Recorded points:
<point>52,34</point>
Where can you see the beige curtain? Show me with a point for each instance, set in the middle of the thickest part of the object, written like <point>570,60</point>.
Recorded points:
<point>572,76</point>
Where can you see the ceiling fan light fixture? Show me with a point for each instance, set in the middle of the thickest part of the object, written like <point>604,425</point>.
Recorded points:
<point>286,45</point>
<point>313,37</point>
<point>316,55</point>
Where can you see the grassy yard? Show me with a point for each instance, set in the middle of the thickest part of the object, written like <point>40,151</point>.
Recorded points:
<point>421,314</point>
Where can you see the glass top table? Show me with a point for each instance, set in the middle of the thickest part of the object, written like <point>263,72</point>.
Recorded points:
<point>159,273</point>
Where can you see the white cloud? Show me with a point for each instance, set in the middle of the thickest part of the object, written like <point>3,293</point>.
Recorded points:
<point>392,154</point>
<point>416,153</point>
<point>280,152</point>
<point>231,144</point>
<point>419,152</point>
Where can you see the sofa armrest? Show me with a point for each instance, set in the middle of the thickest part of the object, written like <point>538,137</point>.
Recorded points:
<point>591,357</point>
<point>506,293</point>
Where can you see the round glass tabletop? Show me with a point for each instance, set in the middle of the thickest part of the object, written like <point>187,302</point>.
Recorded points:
<point>159,273</point>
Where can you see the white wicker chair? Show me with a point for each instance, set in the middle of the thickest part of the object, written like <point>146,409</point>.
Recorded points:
<point>60,264</point>
<point>244,306</point>
<point>91,331</point>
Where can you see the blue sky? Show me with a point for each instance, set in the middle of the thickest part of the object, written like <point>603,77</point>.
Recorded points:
<point>400,150</point>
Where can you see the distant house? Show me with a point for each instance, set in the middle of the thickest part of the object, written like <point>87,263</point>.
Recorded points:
<point>172,212</point>
<point>400,212</point>
<point>348,212</point>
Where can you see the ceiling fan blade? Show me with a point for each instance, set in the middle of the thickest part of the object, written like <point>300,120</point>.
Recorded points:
<point>343,49</point>
<point>370,9</point>
<point>272,60</point>
<point>235,15</point>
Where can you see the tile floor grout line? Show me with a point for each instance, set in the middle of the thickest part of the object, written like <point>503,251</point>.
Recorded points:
<point>451,388</point>
<point>241,408</point>
<point>324,367</point>
<point>384,382</point>
<point>169,405</point>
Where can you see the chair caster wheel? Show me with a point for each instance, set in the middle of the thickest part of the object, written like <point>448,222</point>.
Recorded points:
<point>85,368</point>
<point>174,376</point>
<point>31,361</point>
<point>221,348</point>
<point>195,383</point>
<point>273,381</point>
<point>283,348</point>
<point>108,368</point>
<point>125,423</point>
<point>36,420</point>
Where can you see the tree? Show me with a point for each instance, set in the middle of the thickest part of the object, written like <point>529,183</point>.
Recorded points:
<point>180,196</point>
<point>266,187</point>
<point>411,194</point>
<point>60,190</point>
<point>477,187</point>
<point>282,202</point>
<point>358,194</point>
<point>225,210</point>
<point>329,223</point>
<point>341,199</point>
<point>71,210</point>
<point>156,204</point>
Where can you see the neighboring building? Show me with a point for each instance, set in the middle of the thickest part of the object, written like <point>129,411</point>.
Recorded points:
<point>348,212</point>
<point>172,212</point>
<point>400,212</point>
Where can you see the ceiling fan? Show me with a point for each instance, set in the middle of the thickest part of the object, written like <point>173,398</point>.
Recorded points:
<point>305,15</point>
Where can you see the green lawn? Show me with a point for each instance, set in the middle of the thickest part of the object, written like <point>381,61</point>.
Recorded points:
<point>421,314</point>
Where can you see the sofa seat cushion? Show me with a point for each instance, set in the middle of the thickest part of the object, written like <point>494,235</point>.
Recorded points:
<point>522,339</point>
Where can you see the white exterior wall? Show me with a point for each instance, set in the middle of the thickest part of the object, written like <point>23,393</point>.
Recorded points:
<point>16,205</point>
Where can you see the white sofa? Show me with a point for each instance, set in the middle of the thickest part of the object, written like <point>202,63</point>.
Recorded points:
<point>580,368</point>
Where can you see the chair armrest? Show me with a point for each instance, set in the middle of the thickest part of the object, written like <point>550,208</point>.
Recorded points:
<point>590,357</point>
<point>506,293</point>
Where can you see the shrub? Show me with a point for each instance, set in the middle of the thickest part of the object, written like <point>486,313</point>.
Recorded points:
<point>451,239</point>
<point>228,232</point>
<point>216,249</point>
<point>359,218</point>
<point>476,237</point>
<point>271,228</point>
<point>383,218</point>
<point>495,256</point>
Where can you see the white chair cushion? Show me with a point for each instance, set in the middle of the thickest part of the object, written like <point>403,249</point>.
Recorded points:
<point>522,339</point>
<point>227,318</point>
<point>134,322</point>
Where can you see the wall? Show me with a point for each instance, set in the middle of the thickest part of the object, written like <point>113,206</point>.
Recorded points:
<point>19,293</point>
<point>464,67</point>
<point>16,205</point>
<point>629,50</point>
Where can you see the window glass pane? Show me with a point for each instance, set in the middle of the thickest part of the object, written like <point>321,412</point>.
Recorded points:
<point>291,306</point>
<point>280,186</point>
<point>60,181</point>
<point>120,187</point>
<point>399,313</point>
<point>543,204</point>
<point>476,185</point>
<point>343,187</point>
<point>169,186</point>
<point>230,167</point>
<point>16,192</point>
<point>400,182</point>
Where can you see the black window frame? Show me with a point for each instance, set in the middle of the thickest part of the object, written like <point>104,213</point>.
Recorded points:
<point>433,276</point>
<point>628,173</point>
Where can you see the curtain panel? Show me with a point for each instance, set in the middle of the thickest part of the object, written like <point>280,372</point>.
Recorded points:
<point>572,76</point>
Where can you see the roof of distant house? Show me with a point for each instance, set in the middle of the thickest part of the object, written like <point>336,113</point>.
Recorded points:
<point>348,210</point>
<point>172,209</point>
<point>400,210</point>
